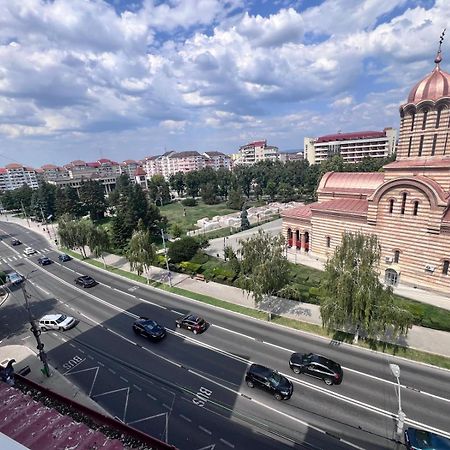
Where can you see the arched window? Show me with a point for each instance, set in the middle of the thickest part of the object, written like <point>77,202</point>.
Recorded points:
<point>403,203</point>
<point>433,147</point>
<point>396,256</point>
<point>445,267</point>
<point>416,208</point>
<point>424,121</point>
<point>421,144</point>
<point>413,116</point>
<point>391,206</point>
<point>409,146</point>
<point>328,241</point>
<point>438,117</point>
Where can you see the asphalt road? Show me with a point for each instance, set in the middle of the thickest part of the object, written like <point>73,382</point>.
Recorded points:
<point>191,389</point>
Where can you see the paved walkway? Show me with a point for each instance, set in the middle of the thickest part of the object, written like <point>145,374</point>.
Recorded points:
<point>425,339</point>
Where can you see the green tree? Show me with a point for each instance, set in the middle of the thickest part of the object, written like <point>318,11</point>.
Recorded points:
<point>209,193</point>
<point>159,190</point>
<point>264,269</point>
<point>286,192</point>
<point>92,196</point>
<point>192,181</point>
<point>244,177</point>
<point>224,179</point>
<point>141,251</point>
<point>183,249</point>
<point>176,230</point>
<point>74,234</point>
<point>353,295</point>
<point>271,189</point>
<point>235,199</point>
<point>68,202</point>
<point>245,224</point>
<point>99,242</point>
<point>121,191</point>
<point>176,182</point>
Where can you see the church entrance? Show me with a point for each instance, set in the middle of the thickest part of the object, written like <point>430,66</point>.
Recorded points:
<point>391,277</point>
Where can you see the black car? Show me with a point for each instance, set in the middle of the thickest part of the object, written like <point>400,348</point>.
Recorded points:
<point>44,261</point>
<point>191,322</point>
<point>149,328</point>
<point>85,281</point>
<point>64,257</point>
<point>317,366</point>
<point>15,242</point>
<point>416,439</point>
<point>269,380</point>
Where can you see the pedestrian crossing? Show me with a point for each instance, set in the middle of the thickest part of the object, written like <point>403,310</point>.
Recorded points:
<point>9,259</point>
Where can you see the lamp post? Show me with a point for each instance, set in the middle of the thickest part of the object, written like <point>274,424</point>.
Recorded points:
<point>35,330</point>
<point>395,369</point>
<point>225,239</point>
<point>165,254</point>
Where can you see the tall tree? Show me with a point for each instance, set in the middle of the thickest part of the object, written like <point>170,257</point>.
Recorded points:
<point>224,177</point>
<point>159,190</point>
<point>245,224</point>
<point>192,181</point>
<point>244,176</point>
<point>141,252</point>
<point>235,199</point>
<point>176,182</point>
<point>68,202</point>
<point>209,193</point>
<point>74,234</point>
<point>264,269</point>
<point>353,294</point>
<point>99,242</point>
<point>92,196</point>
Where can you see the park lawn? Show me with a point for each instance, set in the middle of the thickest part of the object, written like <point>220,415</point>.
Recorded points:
<point>174,213</point>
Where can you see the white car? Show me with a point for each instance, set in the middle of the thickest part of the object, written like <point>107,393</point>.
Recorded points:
<point>29,251</point>
<point>56,322</point>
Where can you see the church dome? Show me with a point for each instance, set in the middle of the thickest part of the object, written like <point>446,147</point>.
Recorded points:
<point>433,87</point>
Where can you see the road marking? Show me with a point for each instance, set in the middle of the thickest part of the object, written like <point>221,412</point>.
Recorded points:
<point>112,371</point>
<point>123,292</point>
<point>100,364</point>
<point>177,312</point>
<point>184,417</point>
<point>123,379</point>
<point>229,444</point>
<point>151,396</point>
<point>137,387</point>
<point>151,303</point>
<point>205,430</point>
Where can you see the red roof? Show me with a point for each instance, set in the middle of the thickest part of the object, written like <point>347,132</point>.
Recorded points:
<point>347,205</point>
<point>14,166</point>
<point>49,166</point>
<point>139,172</point>
<point>3,170</point>
<point>302,212</point>
<point>104,160</point>
<point>357,182</point>
<point>129,161</point>
<point>416,163</point>
<point>256,144</point>
<point>77,162</point>
<point>93,164</point>
<point>351,136</point>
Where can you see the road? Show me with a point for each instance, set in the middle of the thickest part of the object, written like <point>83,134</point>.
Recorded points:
<point>190,390</point>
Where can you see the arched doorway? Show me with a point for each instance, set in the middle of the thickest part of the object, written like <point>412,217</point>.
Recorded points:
<point>306,242</point>
<point>289,237</point>
<point>391,277</point>
<point>298,242</point>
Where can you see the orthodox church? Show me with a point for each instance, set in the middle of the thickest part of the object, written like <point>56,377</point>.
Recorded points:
<point>407,205</point>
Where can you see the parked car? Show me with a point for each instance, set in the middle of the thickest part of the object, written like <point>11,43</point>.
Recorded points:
<point>64,257</point>
<point>56,322</point>
<point>416,439</point>
<point>85,281</point>
<point>191,322</point>
<point>149,328</point>
<point>15,242</point>
<point>14,278</point>
<point>317,366</point>
<point>269,380</point>
<point>44,261</point>
<point>29,251</point>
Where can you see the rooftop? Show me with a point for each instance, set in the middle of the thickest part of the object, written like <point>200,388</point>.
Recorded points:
<point>351,136</point>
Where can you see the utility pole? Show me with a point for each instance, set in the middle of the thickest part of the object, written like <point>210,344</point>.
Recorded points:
<point>44,220</point>
<point>167,261</point>
<point>37,334</point>
<point>401,416</point>
<point>24,213</point>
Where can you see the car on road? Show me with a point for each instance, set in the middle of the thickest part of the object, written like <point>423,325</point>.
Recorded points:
<point>269,380</point>
<point>149,329</point>
<point>416,439</point>
<point>15,242</point>
<point>317,366</point>
<point>56,322</point>
<point>44,261</point>
<point>64,257</point>
<point>191,322</point>
<point>29,251</point>
<point>14,278</point>
<point>85,281</point>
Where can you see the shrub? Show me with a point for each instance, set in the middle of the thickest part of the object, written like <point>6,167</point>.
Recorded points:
<point>190,201</point>
<point>200,258</point>
<point>2,277</point>
<point>190,267</point>
<point>183,249</point>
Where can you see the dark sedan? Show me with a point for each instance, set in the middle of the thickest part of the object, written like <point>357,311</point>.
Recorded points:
<point>85,281</point>
<point>16,242</point>
<point>64,257</point>
<point>149,329</point>
<point>193,323</point>
<point>317,366</point>
<point>44,261</point>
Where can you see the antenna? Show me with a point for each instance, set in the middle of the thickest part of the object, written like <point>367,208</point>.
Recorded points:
<point>438,58</point>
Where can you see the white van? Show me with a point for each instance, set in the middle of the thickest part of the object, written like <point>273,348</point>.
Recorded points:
<point>56,322</point>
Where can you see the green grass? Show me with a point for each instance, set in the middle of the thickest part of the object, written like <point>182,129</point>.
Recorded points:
<point>391,349</point>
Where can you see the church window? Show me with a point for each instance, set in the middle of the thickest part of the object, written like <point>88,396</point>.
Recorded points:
<point>438,117</point>
<point>445,145</point>
<point>416,208</point>
<point>409,146</point>
<point>391,206</point>
<point>328,241</point>
<point>433,148</point>
<point>403,203</point>
<point>396,256</point>
<point>412,121</point>
<point>445,267</point>
<point>424,121</point>
<point>421,144</point>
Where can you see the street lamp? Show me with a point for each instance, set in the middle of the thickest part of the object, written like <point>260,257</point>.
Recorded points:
<point>395,369</point>
<point>225,238</point>
<point>167,261</point>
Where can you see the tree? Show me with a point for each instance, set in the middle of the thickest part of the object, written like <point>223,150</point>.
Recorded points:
<point>224,177</point>
<point>286,192</point>
<point>183,249</point>
<point>121,191</point>
<point>209,193</point>
<point>244,177</point>
<point>235,199</point>
<point>245,224</point>
<point>74,234</point>
<point>271,189</point>
<point>264,268</point>
<point>192,181</point>
<point>176,230</point>
<point>99,242</point>
<point>159,190</point>
<point>141,251</point>
<point>353,294</point>
<point>92,196</point>
<point>68,202</point>
<point>176,182</point>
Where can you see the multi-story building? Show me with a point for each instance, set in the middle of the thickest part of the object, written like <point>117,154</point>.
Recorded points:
<point>14,176</point>
<point>407,205</point>
<point>290,156</point>
<point>256,151</point>
<point>217,160</point>
<point>140,177</point>
<point>106,167</point>
<point>129,167</point>
<point>108,182</point>
<point>353,147</point>
<point>52,172</point>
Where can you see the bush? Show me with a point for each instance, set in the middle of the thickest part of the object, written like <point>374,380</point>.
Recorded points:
<point>183,249</point>
<point>190,201</point>
<point>160,260</point>
<point>200,258</point>
<point>2,277</point>
<point>190,267</point>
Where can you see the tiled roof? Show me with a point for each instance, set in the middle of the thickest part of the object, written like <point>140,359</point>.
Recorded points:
<point>418,163</point>
<point>77,162</point>
<point>129,161</point>
<point>255,144</point>
<point>302,212</point>
<point>14,166</point>
<point>187,154</point>
<point>348,205</point>
<point>356,182</point>
<point>104,161</point>
<point>139,172</point>
<point>351,136</point>
<point>49,167</point>
<point>433,87</point>
<point>93,164</point>
<point>3,170</point>
<point>213,153</point>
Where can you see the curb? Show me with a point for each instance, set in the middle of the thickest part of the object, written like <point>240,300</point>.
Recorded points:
<point>5,297</point>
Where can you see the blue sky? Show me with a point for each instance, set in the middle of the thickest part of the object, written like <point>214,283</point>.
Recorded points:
<point>124,79</point>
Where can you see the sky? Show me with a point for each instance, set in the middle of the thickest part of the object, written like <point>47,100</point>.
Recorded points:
<point>126,79</point>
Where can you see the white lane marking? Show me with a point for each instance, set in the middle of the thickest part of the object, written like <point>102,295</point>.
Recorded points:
<point>100,364</point>
<point>176,312</point>
<point>151,303</point>
<point>112,371</point>
<point>229,444</point>
<point>123,379</point>
<point>184,417</point>
<point>151,396</point>
<point>137,387</point>
<point>205,430</point>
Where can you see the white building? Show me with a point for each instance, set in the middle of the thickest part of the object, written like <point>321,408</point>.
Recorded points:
<point>353,147</point>
<point>129,167</point>
<point>14,176</point>
<point>217,160</point>
<point>256,151</point>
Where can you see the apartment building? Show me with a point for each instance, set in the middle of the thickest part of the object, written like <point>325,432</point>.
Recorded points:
<point>52,172</point>
<point>353,147</point>
<point>14,176</point>
<point>129,167</point>
<point>217,160</point>
<point>254,152</point>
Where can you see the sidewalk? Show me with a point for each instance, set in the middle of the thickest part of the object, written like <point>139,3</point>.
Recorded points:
<point>425,339</point>
<point>56,383</point>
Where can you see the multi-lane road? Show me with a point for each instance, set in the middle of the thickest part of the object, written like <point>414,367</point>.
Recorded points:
<point>190,390</point>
